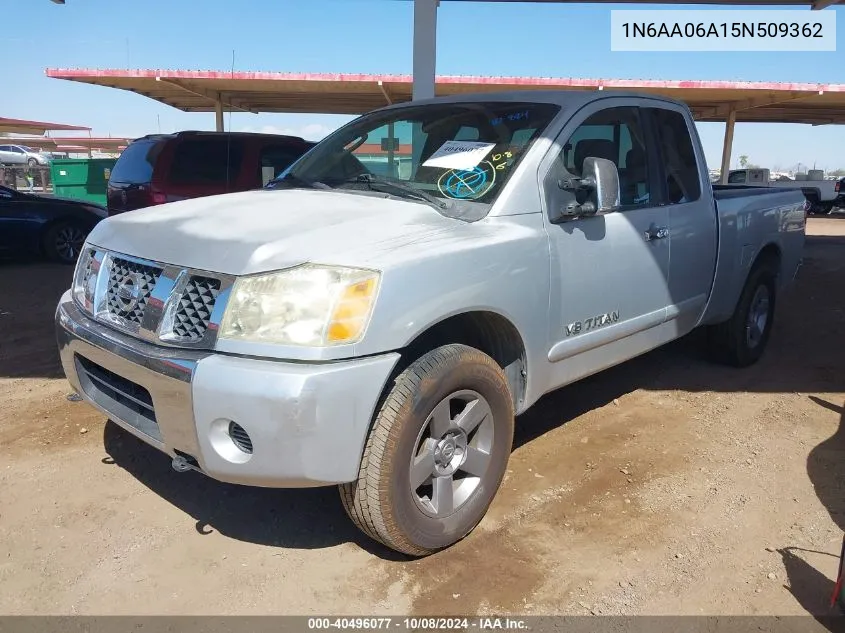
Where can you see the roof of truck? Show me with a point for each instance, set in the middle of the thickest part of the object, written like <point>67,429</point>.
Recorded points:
<point>335,93</point>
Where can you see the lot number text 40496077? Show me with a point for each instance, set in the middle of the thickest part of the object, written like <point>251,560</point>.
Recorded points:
<point>727,30</point>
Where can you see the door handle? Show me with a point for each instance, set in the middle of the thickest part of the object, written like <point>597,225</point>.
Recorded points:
<point>656,233</point>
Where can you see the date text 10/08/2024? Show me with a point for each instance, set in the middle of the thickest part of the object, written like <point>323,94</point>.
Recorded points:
<point>419,624</point>
<point>652,30</point>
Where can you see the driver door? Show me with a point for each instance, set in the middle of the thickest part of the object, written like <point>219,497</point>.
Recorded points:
<point>610,291</point>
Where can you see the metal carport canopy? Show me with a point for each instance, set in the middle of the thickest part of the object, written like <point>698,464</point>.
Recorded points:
<point>211,91</point>
<point>329,93</point>
<point>22,126</point>
<point>68,142</point>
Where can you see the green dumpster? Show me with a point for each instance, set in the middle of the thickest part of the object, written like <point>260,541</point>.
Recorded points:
<point>81,178</point>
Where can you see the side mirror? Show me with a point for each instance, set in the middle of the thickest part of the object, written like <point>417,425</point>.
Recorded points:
<point>596,192</point>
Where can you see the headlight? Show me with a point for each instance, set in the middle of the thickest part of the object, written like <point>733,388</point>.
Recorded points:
<point>309,305</point>
<point>85,280</point>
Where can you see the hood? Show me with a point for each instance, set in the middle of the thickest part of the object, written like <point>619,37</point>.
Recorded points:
<point>263,230</point>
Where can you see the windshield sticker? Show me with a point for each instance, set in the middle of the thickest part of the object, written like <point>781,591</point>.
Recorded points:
<point>504,156</point>
<point>459,155</point>
<point>516,116</point>
<point>467,184</point>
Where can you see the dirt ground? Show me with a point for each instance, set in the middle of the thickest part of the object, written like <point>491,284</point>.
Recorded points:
<point>667,485</point>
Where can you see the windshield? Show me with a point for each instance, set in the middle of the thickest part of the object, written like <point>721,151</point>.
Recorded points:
<point>460,154</point>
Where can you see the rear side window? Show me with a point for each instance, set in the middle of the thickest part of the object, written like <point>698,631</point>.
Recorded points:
<point>206,161</point>
<point>136,163</point>
<point>678,154</point>
<point>275,159</point>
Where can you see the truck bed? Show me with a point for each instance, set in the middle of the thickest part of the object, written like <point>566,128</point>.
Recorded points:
<point>729,192</point>
<point>748,215</point>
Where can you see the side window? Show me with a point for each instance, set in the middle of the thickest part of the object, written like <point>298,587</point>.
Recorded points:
<point>617,135</point>
<point>274,159</point>
<point>678,156</point>
<point>206,161</point>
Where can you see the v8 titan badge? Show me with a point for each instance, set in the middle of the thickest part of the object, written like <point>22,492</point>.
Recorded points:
<point>467,184</point>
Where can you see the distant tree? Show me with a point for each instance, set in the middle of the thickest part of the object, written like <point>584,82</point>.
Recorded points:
<point>837,173</point>
<point>743,161</point>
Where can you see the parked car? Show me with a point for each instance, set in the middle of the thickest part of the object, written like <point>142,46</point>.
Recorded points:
<point>340,327</point>
<point>52,227</point>
<point>22,155</point>
<point>164,168</point>
<point>820,193</point>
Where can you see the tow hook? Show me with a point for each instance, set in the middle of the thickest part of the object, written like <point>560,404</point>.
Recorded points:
<point>180,464</point>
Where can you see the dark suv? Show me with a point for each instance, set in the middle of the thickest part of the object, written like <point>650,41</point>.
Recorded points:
<point>161,168</point>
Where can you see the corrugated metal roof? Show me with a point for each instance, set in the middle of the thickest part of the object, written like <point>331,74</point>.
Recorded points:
<point>22,126</point>
<point>52,142</point>
<point>336,93</point>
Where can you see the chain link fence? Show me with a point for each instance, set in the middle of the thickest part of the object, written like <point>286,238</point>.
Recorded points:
<point>26,178</point>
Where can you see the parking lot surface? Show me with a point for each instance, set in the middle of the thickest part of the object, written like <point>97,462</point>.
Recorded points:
<point>667,485</point>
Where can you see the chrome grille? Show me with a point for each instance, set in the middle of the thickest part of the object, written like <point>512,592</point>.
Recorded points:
<point>162,303</point>
<point>195,307</point>
<point>129,288</point>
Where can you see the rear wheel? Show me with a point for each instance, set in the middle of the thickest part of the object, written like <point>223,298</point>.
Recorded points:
<point>436,454</point>
<point>32,162</point>
<point>742,339</point>
<point>63,241</point>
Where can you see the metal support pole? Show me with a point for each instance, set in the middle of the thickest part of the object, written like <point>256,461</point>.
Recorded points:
<point>391,150</point>
<point>218,115</point>
<point>425,47</point>
<point>727,146</point>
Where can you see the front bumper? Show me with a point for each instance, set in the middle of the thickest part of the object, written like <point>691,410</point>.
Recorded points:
<point>307,422</point>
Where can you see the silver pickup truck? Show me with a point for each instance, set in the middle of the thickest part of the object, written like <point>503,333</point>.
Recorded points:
<point>380,313</point>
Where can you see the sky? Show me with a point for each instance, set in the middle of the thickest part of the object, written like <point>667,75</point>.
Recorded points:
<point>366,36</point>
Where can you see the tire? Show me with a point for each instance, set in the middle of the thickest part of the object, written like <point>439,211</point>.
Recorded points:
<point>742,339</point>
<point>32,162</point>
<point>62,241</point>
<point>408,430</point>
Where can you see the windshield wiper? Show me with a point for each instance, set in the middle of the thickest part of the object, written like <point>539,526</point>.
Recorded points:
<point>297,181</point>
<point>398,188</point>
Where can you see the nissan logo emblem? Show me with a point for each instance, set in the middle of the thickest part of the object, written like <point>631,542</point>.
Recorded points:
<point>129,292</point>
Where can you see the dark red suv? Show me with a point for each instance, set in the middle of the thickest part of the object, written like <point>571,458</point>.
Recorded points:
<point>161,168</point>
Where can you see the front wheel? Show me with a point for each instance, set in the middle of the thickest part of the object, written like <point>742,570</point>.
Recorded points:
<point>436,454</point>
